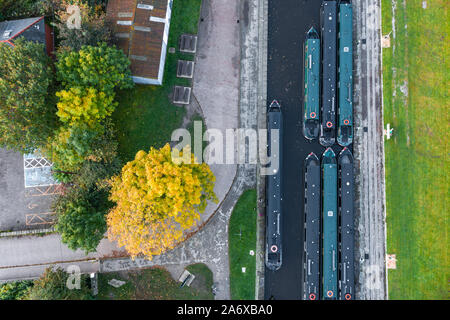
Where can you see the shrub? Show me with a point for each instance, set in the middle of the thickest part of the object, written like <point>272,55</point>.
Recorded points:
<point>15,290</point>
<point>53,286</point>
<point>13,9</point>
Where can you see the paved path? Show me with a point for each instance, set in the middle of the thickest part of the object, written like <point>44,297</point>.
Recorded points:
<point>27,257</point>
<point>369,153</point>
<point>216,81</point>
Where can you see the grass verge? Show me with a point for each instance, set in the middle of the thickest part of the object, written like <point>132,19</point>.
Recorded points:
<point>242,239</point>
<point>156,284</point>
<point>415,73</point>
<point>145,116</point>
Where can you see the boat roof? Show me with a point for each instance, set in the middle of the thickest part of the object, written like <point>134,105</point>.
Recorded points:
<point>312,33</point>
<point>329,157</point>
<point>345,157</point>
<point>274,105</point>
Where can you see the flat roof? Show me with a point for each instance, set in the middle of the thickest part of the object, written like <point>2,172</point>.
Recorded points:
<point>141,30</point>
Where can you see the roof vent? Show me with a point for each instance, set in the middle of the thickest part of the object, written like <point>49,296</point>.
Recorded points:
<point>7,33</point>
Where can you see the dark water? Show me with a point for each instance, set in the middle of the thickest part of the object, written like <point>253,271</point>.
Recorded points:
<point>289,20</point>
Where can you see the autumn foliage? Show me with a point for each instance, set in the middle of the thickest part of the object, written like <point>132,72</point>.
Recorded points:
<point>85,105</point>
<point>156,200</point>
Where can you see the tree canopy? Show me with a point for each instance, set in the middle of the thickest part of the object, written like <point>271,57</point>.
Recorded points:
<point>84,105</point>
<point>94,28</point>
<point>101,67</point>
<point>156,200</point>
<point>27,104</point>
<point>81,225</point>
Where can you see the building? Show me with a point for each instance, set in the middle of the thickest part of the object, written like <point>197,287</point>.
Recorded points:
<point>32,29</point>
<point>141,30</point>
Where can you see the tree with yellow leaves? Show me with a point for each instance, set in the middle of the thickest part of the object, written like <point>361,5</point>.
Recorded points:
<point>84,105</point>
<point>156,200</point>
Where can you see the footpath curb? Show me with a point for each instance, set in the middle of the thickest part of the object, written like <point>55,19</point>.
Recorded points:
<point>26,232</point>
<point>260,180</point>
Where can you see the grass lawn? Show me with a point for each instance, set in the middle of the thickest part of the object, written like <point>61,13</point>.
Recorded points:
<point>156,284</point>
<point>145,116</point>
<point>243,222</point>
<point>203,278</point>
<point>415,74</point>
<point>190,128</point>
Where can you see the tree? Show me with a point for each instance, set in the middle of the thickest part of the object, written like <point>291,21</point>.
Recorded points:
<point>81,225</point>
<point>74,148</point>
<point>100,67</point>
<point>13,9</point>
<point>97,174</point>
<point>70,147</point>
<point>88,106</point>
<point>82,209</point>
<point>156,200</point>
<point>94,28</point>
<point>53,286</point>
<point>27,107</point>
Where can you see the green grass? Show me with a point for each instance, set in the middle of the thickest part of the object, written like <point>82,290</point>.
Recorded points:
<point>243,222</point>
<point>156,284</point>
<point>203,278</point>
<point>417,162</point>
<point>190,128</point>
<point>145,116</point>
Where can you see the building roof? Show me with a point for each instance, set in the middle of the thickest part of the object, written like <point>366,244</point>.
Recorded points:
<point>32,29</point>
<point>141,30</point>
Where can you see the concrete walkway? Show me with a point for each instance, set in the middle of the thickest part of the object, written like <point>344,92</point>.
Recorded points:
<point>369,154</point>
<point>27,257</point>
<point>216,81</point>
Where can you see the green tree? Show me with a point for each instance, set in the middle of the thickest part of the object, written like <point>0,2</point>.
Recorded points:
<point>74,147</point>
<point>27,105</point>
<point>100,67</point>
<point>70,147</point>
<point>94,28</point>
<point>96,175</point>
<point>81,225</point>
<point>15,290</point>
<point>82,209</point>
<point>53,286</point>
<point>10,9</point>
